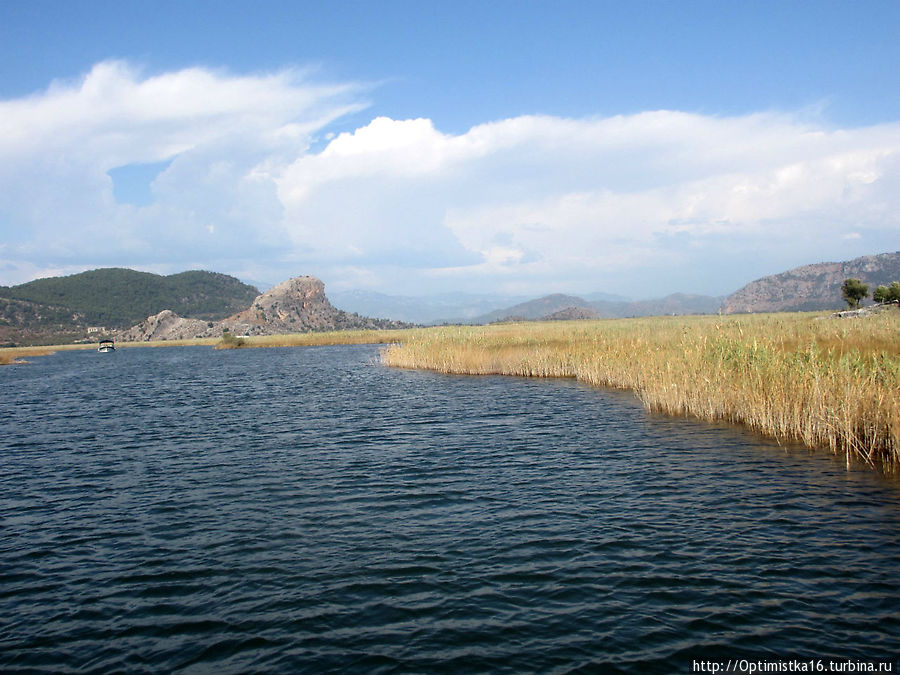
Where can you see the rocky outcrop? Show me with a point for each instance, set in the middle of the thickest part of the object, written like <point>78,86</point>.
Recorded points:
<point>167,325</point>
<point>864,312</point>
<point>812,287</point>
<point>298,305</point>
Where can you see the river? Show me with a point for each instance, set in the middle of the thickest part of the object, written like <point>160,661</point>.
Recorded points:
<point>309,510</point>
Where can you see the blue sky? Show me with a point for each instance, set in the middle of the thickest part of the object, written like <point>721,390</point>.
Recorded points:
<point>522,147</point>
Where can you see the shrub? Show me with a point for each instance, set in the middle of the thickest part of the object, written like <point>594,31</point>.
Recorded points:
<point>887,293</point>
<point>229,341</point>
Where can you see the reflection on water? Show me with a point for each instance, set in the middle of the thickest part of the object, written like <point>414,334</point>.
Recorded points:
<point>306,509</point>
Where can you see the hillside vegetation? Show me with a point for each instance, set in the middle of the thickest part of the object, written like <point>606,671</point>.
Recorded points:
<point>119,298</point>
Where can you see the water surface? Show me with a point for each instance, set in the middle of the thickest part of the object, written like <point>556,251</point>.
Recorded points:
<point>285,510</point>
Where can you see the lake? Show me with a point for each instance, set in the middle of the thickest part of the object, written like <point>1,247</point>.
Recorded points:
<point>309,510</point>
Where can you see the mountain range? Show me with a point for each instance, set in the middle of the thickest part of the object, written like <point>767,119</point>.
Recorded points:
<point>806,288</point>
<point>139,305</point>
<point>559,306</point>
<point>430,309</point>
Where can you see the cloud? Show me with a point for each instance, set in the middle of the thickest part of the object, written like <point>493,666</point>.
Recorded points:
<point>542,203</point>
<point>219,133</point>
<point>642,203</point>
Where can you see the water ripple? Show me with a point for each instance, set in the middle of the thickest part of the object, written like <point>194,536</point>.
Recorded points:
<point>185,510</point>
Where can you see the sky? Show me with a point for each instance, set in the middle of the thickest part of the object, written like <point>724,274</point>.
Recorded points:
<point>522,148</point>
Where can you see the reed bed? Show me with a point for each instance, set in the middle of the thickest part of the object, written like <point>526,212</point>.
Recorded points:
<point>13,355</point>
<point>338,337</point>
<point>793,377</point>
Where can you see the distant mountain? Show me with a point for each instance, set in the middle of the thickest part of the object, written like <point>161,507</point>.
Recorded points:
<point>535,309</point>
<point>812,287</point>
<point>560,306</point>
<point>676,304</point>
<point>298,305</point>
<point>470,308</point>
<point>63,308</point>
<point>426,309</point>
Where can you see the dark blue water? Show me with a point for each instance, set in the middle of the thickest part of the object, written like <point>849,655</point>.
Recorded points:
<point>308,510</point>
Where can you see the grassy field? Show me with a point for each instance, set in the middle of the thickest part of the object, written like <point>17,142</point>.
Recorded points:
<point>794,377</point>
<point>339,337</point>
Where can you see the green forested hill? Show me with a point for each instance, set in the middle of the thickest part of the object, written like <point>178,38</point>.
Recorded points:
<point>119,298</point>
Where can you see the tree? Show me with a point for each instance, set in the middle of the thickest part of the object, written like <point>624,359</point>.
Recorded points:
<point>894,292</point>
<point>854,290</point>
<point>887,293</point>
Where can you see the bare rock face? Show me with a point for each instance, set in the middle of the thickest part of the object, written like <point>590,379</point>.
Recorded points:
<point>167,325</point>
<point>297,305</point>
<point>812,287</point>
<point>293,306</point>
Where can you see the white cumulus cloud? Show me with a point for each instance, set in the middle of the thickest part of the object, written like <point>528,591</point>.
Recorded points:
<point>543,203</point>
<point>222,133</point>
<point>645,203</point>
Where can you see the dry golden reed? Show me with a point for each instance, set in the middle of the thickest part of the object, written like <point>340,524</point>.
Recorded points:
<point>338,337</point>
<point>11,355</point>
<point>794,377</point>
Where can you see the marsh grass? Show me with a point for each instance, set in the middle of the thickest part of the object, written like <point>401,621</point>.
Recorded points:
<point>18,355</point>
<point>338,337</point>
<point>794,377</point>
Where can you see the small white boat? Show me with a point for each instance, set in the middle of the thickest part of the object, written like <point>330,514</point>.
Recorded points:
<point>106,346</point>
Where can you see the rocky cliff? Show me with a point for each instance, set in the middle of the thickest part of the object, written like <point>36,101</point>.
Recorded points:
<point>812,287</point>
<point>298,305</point>
<point>167,325</point>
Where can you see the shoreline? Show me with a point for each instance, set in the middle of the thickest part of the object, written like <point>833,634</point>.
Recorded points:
<point>10,355</point>
<point>823,384</point>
